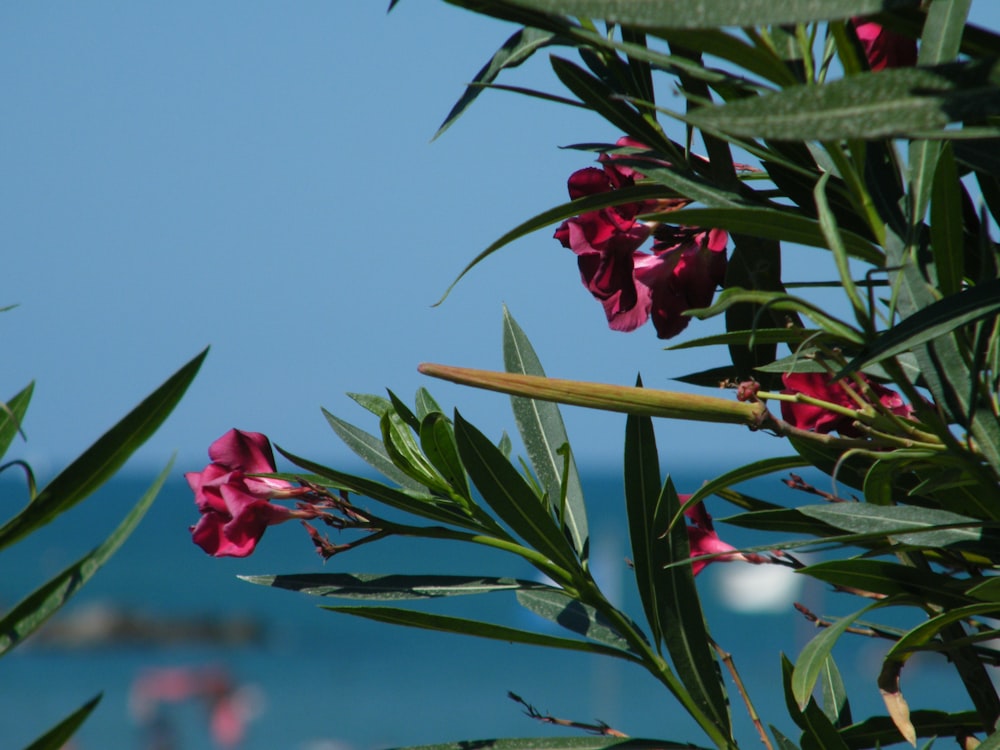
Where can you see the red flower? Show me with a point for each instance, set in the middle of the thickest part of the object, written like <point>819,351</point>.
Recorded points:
<point>234,507</point>
<point>702,538</point>
<point>686,265</point>
<point>884,48</point>
<point>818,385</point>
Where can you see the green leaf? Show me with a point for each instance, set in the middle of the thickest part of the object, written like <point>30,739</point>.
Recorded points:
<point>12,417</point>
<point>882,577</point>
<point>634,194</point>
<point>518,48</point>
<point>705,14</point>
<point>370,450</point>
<point>101,460</point>
<point>685,631</point>
<point>462,626</point>
<point>947,242</point>
<point>756,336</point>
<point>814,656</point>
<point>930,323</point>
<point>510,497</point>
<point>32,611</point>
<point>866,106</point>
<point>879,731</point>
<point>746,473</point>
<point>836,705</point>
<point>544,435</point>
<point>391,587</point>
<point>556,606</point>
<point>560,743</point>
<point>426,404</point>
<point>642,493</point>
<point>58,737</point>
<point>773,224</point>
<point>779,301</point>
<point>437,439</point>
<point>406,454</point>
<point>923,633</point>
<point>424,505</point>
<point>606,102</point>
<point>908,524</point>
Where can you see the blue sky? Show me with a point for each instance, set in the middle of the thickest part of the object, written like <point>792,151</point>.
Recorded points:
<point>259,177</point>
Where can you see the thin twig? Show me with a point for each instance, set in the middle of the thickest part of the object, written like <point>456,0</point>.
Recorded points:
<point>727,659</point>
<point>821,623</point>
<point>599,728</point>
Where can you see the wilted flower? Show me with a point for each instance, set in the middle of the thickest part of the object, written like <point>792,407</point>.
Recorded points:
<point>885,48</point>
<point>235,507</point>
<point>818,385</point>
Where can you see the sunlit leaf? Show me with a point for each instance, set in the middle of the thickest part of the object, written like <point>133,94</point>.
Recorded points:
<point>390,586</point>
<point>32,611</point>
<point>101,460</point>
<point>462,626</point>
<point>544,436</point>
<point>12,417</point>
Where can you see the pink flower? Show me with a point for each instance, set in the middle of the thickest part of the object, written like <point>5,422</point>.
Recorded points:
<point>685,267</point>
<point>235,507</point>
<point>818,385</point>
<point>703,540</point>
<point>884,48</point>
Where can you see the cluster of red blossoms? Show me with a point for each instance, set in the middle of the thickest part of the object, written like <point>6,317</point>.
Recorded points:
<point>844,393</point>
<point>235,507</point>
<point>682,271</point>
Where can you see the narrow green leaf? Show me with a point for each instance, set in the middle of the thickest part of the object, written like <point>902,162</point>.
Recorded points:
<point>426,404</point>
<point>518,48</point>
<point>816,653</point>
<point>462,626</point>
<point>947,242</point>
<point>642,492</point>
<point>544,435</point>
<point>556,606</point>
<point>391,587</point>
<point>745,473</point>
<point>58,737</point>
<point>908,524</point>
<point>32,611</point>
<point>930,323</point>
<point>879,731</point>
<point>707,14</point>
<point>606,102</point>
<point>12,417</point>
<point>773,224</point>
<point>437,439</point>
<point>406,454</point>
<point>101,460</point>
<point>882,577</point>
<point>685,632</point>
<point>510,497</point>
<point>370,450</point>
<point>923,633</point>
<point>836,705</point>
<point>560,743</point>
<point>421,504</point>
<point>757,336</point>
<point>780,301</point>
<point>377,405</point>
<point>866,106</point>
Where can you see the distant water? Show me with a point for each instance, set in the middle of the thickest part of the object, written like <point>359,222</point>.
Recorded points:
<point>324,680</point>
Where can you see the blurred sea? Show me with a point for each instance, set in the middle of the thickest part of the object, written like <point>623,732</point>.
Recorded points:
<point>318,680</point>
